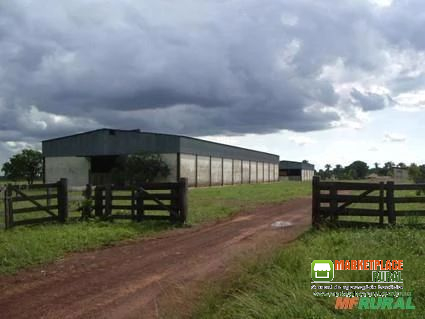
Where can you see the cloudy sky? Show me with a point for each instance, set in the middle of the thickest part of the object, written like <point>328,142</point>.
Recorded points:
<point>326,81</point>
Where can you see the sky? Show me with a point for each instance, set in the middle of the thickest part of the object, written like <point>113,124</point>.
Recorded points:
<point>325,81</point>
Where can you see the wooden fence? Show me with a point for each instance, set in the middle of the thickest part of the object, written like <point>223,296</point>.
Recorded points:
<point>139,202</point>
<point>31,200</point>
<point>333,199</point>
<point>146,201</point>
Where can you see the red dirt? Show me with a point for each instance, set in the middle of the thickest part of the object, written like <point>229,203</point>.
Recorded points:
<point>128,281</point>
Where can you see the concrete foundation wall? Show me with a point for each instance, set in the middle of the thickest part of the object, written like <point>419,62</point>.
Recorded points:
<point>227,171</point>
<point>307,175</point>
<point>260,171</point>
<point>216,171</point>
<point>276,172</point>
<point>203,171</point>
<point>224,171</point>
<point>266,172</point>
<point>75,169</point>
<point>245,172</point>
<point>188,168</point>
<point>253,172</point>
<point>237,171</point>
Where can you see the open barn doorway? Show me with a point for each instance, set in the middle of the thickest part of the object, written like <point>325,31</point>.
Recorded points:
<point>101,169</point>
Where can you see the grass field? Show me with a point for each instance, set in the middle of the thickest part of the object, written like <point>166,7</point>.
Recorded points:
<point>24,246</point>
<point>279,285</point>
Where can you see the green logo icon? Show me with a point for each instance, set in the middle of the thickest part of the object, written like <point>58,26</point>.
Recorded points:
<point>322,270</point>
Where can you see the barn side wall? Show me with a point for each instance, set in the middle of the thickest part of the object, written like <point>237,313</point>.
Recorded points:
<point>216,171</point>
<point>75,169</point>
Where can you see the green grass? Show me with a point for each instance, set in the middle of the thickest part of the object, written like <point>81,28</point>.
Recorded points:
<point>24,246</point>
<point>279,286</point>
<point>206,204</point>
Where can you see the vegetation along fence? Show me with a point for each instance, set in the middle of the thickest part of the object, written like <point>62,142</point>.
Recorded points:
<point>32,204</point>
<point>331,200</point>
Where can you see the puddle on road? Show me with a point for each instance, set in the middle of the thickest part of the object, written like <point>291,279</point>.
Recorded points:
<point>281,224</point>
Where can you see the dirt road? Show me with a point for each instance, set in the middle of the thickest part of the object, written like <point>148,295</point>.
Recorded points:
<point>132,280</point>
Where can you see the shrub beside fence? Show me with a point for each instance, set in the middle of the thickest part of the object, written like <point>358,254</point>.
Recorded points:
<point>107,201</point>
<point>333,199</point>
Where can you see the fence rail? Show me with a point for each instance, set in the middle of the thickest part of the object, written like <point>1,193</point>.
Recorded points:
<point>333,199</point>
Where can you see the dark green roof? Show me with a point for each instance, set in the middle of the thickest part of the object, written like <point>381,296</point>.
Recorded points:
<point>122,142</point>
<point>295,165</point>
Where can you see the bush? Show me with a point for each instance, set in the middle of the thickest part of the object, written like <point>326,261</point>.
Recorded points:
<point>140,168</point>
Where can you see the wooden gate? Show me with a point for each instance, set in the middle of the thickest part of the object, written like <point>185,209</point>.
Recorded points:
<point>33,204</point>
<point>146,201</point>
<point>334,199</point>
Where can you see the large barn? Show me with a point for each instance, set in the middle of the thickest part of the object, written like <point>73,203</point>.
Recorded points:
<point>296,171</point>
<point>89,158</point>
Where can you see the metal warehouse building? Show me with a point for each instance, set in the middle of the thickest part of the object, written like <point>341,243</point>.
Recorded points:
<point>89,158</point>
<point>296,171</point>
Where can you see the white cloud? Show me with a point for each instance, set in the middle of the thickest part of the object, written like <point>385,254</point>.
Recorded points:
<point>394,137</point>
<point>301,140</point>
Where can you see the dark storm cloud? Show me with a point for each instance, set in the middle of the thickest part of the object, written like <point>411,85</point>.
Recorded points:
<point>370,101</point>
<point>190,67</point>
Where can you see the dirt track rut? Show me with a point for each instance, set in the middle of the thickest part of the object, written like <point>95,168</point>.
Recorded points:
<point>128,281</point>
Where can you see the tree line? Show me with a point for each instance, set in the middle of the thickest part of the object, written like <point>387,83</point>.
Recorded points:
<point>361,170</point>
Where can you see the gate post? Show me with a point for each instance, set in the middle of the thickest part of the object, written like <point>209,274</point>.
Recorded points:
<point>87,207</point>
<point>62,193</point>
<point>390,203</point>
<point>316,201</point>
<point>108,200</point>
<point>183,200</point>
<point>381,202</point>
<point>98,201</point>
<point>140,210</point>
<point>8,207</point>
<point>334,203</point>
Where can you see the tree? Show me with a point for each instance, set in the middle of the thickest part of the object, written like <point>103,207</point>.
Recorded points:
<point>358,169</point>
<point>338,171</point>
<point>328,170</point>
<point>401,165</point>
<point>140,168</point>
<point>417,173</point>
<point>26,165</point>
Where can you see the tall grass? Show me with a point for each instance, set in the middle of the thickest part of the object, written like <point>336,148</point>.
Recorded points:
<point>279,287</point>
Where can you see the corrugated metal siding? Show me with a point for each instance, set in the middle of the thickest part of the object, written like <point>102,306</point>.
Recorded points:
<point>295,165</point>
<point>119,142</point>
<point>110,142</point>
<point>206,148</point>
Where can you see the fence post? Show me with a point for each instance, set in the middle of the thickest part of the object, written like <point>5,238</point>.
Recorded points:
<point>316,201</point>
<point>140,209</point>
<point>174,212</point>
<point>62,193</point>
<point>133,203</point>
<point>108,200</point>
<point>390,203</point>
<point>87,207</point>
<point>333,192</point>
<point>381,202</point>
<point>98,201</point>
<point>182,202</point>
<point>8,207</point>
